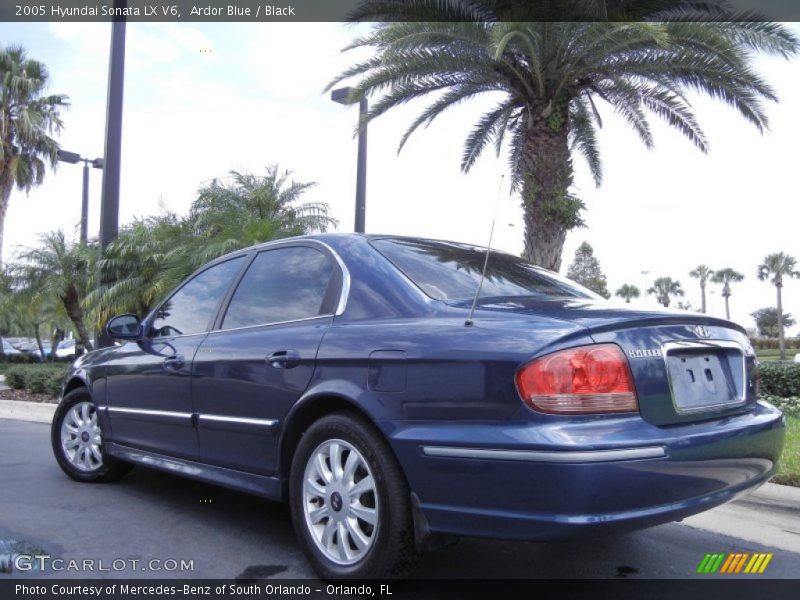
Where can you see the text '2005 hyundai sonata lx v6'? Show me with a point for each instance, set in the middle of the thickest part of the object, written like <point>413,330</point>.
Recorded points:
<point>341,373</point>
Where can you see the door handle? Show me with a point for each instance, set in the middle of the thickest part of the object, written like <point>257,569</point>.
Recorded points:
<point>173,363</point>
<point>284,359</point>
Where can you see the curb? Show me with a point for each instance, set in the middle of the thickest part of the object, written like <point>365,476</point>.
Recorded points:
<point>34,412</point>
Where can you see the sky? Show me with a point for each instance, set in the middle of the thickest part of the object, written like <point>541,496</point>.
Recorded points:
<point>204,99</point>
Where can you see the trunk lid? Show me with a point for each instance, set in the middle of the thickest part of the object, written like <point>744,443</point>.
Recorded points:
<point>686,366</point>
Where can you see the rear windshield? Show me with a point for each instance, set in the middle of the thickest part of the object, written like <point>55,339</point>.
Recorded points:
<point>451,272</point>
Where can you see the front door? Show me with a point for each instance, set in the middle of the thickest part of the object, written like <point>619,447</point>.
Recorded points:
<point>249,372</point>
<point>148,395</point>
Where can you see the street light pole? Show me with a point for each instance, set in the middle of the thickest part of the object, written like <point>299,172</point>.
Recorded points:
<point>74,158</point>
<point>85,203</point>
<point>361,168</point>
<point>109,209</point>
<point>342,96</point>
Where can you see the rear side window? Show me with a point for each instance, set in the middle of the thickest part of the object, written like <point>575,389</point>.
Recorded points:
<point>284,284</point>
<point>451,272</point>
<point>191,308</point>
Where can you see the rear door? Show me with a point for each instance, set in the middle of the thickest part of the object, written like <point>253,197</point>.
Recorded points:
<point>257,363</point>
<point>148,382</point>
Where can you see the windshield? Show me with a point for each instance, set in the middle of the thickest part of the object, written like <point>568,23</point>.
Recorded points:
<point>451,272</point>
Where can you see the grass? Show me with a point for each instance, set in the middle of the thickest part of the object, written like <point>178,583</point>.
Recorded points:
<point>789,473</point>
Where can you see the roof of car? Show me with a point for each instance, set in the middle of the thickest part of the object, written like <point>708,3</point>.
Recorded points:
<point>335,238</point>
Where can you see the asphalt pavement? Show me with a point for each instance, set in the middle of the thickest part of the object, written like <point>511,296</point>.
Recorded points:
<point>151,516</point>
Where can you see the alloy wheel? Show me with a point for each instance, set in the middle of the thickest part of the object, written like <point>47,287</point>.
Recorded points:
<point>81,439</point>
<point>340,502</point>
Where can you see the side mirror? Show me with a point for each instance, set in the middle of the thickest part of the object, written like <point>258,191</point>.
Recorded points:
<point>125,327</point>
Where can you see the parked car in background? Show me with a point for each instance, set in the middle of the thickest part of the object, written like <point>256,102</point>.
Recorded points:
<point>32,348</point>
<point>16,341</point>
<point>8,349</point>
<point>344,375</point>
<point>66,349</point>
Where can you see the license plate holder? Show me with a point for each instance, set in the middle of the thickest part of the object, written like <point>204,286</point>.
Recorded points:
<point>701,379</point>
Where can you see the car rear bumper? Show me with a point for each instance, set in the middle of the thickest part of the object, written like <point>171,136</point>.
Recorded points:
<point>562,479</point>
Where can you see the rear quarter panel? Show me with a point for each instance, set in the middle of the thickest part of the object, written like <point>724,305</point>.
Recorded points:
<point>435,368</point>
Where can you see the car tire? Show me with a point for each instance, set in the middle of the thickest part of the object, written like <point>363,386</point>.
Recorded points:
<point>78,443</point>
<point>351,526</point>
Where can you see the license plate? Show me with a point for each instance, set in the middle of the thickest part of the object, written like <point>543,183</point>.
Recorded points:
<point>701,380</point>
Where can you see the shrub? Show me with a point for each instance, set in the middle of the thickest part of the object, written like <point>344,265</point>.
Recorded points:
<point>765,343</point>
<point>779,379</point>
<point>19,359</point>
<point>37,379</point>
<point>15,378</point>
<point>790,406</point>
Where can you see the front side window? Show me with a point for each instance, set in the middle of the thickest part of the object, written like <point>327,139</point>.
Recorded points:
<point>191,308</point>
<point>284,284</point>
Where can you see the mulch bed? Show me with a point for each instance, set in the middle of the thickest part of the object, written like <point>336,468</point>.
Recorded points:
<point>27,396</point>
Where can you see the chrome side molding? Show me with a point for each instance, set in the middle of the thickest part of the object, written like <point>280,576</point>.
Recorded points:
<point>550,456</point>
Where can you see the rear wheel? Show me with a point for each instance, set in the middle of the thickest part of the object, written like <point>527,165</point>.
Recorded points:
<point>78,441</point>
<point>350,502</point>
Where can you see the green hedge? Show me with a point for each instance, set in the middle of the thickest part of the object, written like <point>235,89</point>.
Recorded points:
<point>37,379</point>
<point>25,358</point>
<point>763,343</point>
<point>779,379</point>
<point>18,359</point>
<point>790,406</point>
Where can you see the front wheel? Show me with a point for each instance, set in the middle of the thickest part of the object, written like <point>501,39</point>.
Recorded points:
<point>350,502</point>
<point>78,441</point>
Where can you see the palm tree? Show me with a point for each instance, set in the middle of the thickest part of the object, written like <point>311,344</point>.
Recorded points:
<point>28,119</point>
<point>777,266</point>
<point>151,256</point>
<point>548,79</point>
<point>144,262</point>
<point>703,273</point>
<point>7,316</point>
<point>57,270</point>
<point>726,276</point>
<point>24,311</point>
<point>664,288</point>
<point>250,209</point>
<point>628,291</point>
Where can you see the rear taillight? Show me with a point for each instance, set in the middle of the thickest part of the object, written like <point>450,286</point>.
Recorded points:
<point>586,380</point>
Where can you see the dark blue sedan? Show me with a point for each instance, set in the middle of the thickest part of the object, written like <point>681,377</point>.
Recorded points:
<point>342,374</point>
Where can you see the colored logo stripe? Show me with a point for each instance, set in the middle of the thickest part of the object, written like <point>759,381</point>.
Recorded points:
<point>736,562</point>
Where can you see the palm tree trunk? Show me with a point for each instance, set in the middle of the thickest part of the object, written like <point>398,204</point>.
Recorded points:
<point>727,309</point>
<point>83,334</point>
<point>545,174</point>
<point>6,184</point>
<point>39,343</point>
<point>781,342</point>
<point>73,307</point>
<point>58,335</point>
<point>703,297</point>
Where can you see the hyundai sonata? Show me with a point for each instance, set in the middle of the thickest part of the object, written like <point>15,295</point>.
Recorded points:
<point>346,375</point>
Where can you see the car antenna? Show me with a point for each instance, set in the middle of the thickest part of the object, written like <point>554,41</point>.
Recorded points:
<point>468,322</point>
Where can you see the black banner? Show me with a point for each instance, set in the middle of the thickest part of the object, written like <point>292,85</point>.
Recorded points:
<point>465,589</point>
<point>343,10</point>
